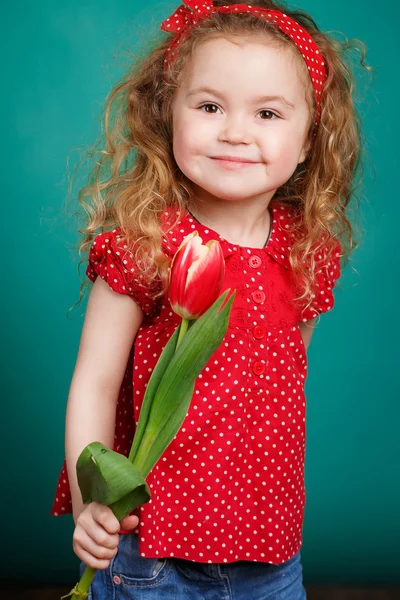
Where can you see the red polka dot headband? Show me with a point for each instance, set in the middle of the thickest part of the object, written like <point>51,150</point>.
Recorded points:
<point>184,19</point>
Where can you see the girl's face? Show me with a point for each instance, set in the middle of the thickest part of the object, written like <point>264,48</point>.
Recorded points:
<point>240,119</point>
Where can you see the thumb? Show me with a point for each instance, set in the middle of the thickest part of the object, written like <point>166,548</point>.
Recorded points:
<point>129,522</point>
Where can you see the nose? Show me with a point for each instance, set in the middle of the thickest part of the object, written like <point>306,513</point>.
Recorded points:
<point>235,131</point>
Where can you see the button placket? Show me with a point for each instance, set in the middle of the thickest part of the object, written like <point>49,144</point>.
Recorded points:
<point>259,332</point>
<point>258,297</point>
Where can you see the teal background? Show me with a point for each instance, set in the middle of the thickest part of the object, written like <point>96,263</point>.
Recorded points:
<point>59,60</point>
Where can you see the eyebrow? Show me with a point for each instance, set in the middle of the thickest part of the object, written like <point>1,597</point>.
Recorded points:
<point>258,100</point>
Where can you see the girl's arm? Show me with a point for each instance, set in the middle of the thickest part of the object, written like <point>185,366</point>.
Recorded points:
<point>306,330</point>
<point>111,323</point>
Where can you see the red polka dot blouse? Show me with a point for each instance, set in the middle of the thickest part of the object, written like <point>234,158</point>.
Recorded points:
<point>230,486</point>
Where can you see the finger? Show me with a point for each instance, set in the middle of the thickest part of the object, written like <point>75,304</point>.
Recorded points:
<point>96,550</point>
<point>101,537</point>
<point>105,517</point>
<point>90,559</point>
<point>130,522</point>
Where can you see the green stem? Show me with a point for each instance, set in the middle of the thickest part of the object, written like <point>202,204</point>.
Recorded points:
<point>81,590</point>
<point>142,453</point>
<point>183,329</point>
<point>85,582</point>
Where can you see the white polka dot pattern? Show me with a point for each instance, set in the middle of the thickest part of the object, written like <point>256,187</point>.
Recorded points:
<point>231,484</point>
<point>187,17</point>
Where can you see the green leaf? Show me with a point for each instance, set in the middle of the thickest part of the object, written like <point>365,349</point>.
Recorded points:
<point>172,398</point>
<point>132,500</point>
<point>110,478</point>
<point>156,376</point>
<point>153,445</point>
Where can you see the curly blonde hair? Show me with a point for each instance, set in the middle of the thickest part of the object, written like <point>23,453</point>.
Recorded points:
<point>135,178</point>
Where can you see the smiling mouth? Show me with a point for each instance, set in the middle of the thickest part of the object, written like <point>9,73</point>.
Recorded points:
<point>232,163</point>
<point>234,159</point>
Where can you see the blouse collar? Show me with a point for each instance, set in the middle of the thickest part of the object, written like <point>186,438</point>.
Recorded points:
<point>278,245</point>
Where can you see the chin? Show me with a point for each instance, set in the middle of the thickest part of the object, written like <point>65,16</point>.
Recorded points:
<point>226,195</point>
<point>235,194</point>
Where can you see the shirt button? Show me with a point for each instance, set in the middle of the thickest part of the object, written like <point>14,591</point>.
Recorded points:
<point>255,261</point>
<point>258,296</point>
<point>258,368</point>
<point>117,579</point>
<point>259,332</point>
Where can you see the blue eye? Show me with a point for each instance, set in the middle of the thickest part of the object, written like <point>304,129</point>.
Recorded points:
<point>269,112</point>
<point>214,108</point>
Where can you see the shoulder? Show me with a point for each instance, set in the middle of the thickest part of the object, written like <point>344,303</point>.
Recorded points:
<point>107,242</point>
<point>288,229</point>
<point>112,259</point>
<point>109,255</point>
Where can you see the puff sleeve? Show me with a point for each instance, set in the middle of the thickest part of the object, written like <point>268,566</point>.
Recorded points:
<point>110,259</point>
<point>326,276</point>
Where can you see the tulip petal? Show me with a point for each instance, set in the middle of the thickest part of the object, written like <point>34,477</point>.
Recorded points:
<point>194,253</point>
<point>204,280</point>
<point>187,252</point>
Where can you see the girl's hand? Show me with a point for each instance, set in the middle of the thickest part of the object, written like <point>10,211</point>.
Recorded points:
<point>96,538</point>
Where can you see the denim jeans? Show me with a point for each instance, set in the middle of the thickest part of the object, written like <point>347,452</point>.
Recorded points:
<point>131,577</point>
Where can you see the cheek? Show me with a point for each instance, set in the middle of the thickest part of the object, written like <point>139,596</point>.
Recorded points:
<point>283,149</point>
<point>288,153</point>
<point>187,140</point>
<point>182,145</point>
<point>179,142</point>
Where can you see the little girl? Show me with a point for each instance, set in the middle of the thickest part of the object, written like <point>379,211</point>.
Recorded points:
<point>239,125</point>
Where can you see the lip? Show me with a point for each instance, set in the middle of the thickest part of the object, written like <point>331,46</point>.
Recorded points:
<point>232,163</point>
<point>237,159</point>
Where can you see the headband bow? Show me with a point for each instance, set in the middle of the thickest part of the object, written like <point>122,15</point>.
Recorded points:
<point>188,15</point>
<point>183,16</point>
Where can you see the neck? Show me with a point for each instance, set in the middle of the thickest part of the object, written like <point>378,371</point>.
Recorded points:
<point>244,222</point>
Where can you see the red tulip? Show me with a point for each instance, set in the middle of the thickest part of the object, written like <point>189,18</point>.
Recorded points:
<point>196,277</point>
